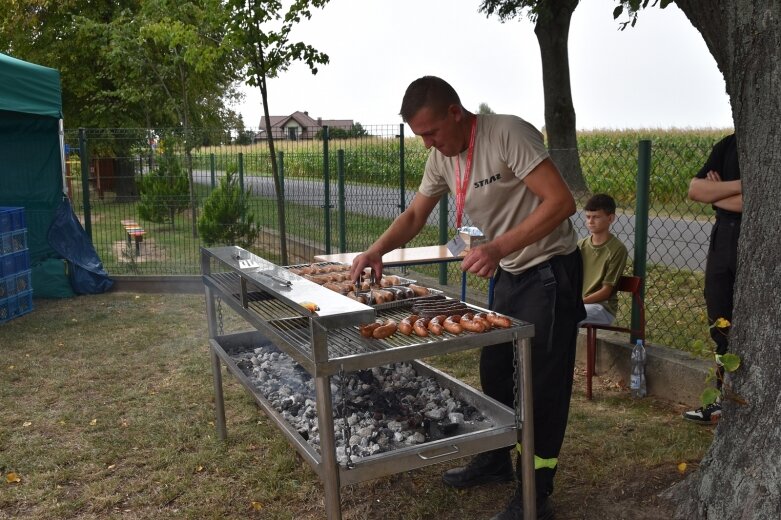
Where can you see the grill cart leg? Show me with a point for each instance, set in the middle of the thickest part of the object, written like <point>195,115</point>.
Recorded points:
<point>325,420</point>
<point>219,402</point>
<point>524,353</point>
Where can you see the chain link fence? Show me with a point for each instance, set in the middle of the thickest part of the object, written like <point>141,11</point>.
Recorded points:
<point>342,188</point>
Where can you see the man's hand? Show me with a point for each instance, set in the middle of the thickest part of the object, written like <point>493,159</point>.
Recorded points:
<point>713,176</point>
<point>364,260</point>
<point>482,260</point>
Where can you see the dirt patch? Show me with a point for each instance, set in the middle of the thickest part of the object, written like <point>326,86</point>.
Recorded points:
<point>148,251</point>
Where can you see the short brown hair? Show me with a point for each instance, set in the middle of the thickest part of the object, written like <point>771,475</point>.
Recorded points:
<point>601,201</point>
<point>428,91</point>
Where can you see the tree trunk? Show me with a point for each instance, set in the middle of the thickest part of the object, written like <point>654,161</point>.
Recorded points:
<point>552,30</point>
<point>740,476</point>
<point>275,174</point>
<point>125,186</point>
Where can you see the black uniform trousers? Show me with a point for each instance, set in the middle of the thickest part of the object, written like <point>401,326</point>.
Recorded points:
<point>720,278</point>
<point>548,296</point>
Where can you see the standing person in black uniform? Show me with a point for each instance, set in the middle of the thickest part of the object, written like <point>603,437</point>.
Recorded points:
<point>503,178</point>
<point>718,183</point>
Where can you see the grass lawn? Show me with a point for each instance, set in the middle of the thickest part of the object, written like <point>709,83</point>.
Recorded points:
<point>107,412</point>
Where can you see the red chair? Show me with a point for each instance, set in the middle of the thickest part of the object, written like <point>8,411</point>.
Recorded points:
<point>629,284</point>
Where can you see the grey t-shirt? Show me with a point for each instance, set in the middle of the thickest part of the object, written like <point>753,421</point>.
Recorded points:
<point>507,149</point>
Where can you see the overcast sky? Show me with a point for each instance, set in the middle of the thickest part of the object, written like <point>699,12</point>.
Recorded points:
<point>658,74</point>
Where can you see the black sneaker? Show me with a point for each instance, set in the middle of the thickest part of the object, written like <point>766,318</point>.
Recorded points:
<point>484,468</point>
<point>705,414</point>
<point>514,510</point>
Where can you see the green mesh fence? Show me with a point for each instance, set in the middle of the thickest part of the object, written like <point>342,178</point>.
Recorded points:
<point>364,192</point>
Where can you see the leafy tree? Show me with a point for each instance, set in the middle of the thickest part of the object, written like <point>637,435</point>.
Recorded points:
<point>484,109</point>
<point>267,51</point>
<point>356,130</point>
<point>551,26</point>
<point>164,191</point>
<point>226,218</point>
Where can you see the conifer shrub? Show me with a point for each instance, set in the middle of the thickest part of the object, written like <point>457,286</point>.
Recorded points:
<point>226,218</point>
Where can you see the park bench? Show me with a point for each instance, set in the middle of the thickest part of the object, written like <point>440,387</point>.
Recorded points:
<point>135,233</point>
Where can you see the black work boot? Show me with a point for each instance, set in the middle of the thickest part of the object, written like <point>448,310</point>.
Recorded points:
<point>514,509</point>
<point>484,468</point>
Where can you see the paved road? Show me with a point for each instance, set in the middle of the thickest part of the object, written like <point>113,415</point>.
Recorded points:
<point>680,243</point>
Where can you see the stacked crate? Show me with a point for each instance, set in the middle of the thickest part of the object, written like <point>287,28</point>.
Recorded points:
<point>16,292</point>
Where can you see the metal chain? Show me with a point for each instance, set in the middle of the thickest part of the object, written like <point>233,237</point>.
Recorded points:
<point>345,425</point>
<point>219,316</point>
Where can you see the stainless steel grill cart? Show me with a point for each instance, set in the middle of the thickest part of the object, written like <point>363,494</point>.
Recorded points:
<point>328,342</point>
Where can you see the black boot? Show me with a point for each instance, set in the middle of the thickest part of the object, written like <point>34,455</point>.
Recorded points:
<point>491,466</point>
<point>514,509</point>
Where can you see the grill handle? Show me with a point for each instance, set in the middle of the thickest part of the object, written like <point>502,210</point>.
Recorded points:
<point>453,450</point>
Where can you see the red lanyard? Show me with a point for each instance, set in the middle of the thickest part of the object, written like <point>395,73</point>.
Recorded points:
<point>461,187</point>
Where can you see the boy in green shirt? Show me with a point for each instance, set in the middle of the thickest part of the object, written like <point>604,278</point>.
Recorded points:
<point>604,259</point>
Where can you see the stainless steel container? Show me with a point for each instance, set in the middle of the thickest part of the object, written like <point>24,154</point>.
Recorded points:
<point>327,342</point>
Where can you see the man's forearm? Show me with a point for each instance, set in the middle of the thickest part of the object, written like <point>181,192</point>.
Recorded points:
<point>734,203</point>
<point>710,192</point>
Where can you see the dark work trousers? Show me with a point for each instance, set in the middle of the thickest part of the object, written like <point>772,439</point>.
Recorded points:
<point>530,296</point>
<point>720,278</point>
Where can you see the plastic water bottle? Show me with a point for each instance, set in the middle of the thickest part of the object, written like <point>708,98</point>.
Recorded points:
<point>637,377</point>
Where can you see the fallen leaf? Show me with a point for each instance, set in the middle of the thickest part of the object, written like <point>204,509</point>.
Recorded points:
<point>137,297</point>
<point>198,469</point>
<point>27,423</point>
<point>111,466</point>
<point>257,506</point>
<point>11,367</point>
<point>682,467</point>
<point>93,422</point>
<point>13,478</point>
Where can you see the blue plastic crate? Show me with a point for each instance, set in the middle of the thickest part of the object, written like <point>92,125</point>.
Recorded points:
<point>15,284</point>
<point>15,306</point>
<point>14,263</point>
<point>11,219</point>
<point>13,241</point>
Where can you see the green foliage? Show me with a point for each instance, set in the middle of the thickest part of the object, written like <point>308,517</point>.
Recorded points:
<point>355,131</point>
<point>226,218</point>
<point>164,191</point>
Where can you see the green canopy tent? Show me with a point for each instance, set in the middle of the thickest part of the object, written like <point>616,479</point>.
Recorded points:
<point>31,147</point>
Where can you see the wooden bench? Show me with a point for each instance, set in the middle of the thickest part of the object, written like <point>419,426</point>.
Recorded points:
<point>135,232</point>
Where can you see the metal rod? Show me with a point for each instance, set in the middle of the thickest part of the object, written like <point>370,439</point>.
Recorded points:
<point>325,423</point>
<point>341,195</point>
<point>524,353</point>
<point>641,223</point>
<point>443,229</point>
<point>84,158</point>
<point>211,315</point>
<point>326,192</point>
<point>402,180</point>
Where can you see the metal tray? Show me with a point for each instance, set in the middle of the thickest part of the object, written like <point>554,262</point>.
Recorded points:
<point>496,431</point>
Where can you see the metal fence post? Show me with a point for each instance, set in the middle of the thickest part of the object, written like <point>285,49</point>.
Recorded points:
<point>281,169</point>
<point>641,221</point>
<point>213,171</point>
<point>342,216</point>
<point>84,157</point>
<point>326,192</point>
<point>402,182</point>
<point>241,172</point>
<point>443,231</point>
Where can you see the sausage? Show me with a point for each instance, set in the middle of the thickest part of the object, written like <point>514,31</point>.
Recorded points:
<point>483,318</point>
<point>405,325</point>
<point>367,331</point>
<point>420,328</point>
<point>468,322</point>
<point>435,325</point>
<point>419,290</point>
<point>452,324</point>
<point>497,320</point>
<point>385,330</point>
